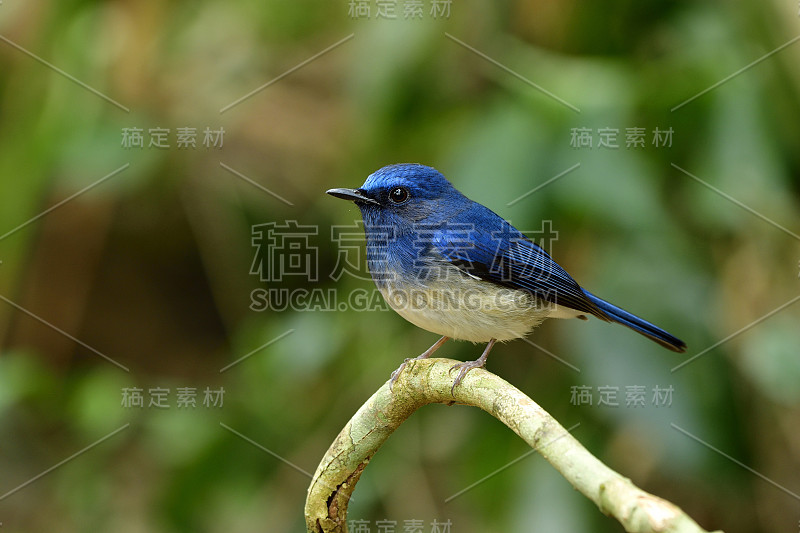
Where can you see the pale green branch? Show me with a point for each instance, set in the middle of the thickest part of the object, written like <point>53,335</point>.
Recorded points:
<point>429,381</point>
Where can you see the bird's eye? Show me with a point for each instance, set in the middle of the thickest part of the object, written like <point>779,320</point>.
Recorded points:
<point>398,195</point>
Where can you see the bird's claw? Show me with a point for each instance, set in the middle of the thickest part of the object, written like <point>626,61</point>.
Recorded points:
<point>425,355</point>
<point>396,373</point>
<point>465,368</point>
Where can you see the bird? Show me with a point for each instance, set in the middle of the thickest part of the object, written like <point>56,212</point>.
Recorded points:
<point>452,266</point>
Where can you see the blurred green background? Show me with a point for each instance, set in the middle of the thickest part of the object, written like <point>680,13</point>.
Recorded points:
<point>151,267</point>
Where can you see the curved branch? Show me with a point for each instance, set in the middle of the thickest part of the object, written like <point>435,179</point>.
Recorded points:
<point>429,381</point>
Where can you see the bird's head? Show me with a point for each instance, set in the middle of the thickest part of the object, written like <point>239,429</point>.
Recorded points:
<point>404,192</point>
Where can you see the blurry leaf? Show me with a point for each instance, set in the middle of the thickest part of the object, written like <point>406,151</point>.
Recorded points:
<point>769,357</point>
<point>95,404</point>
<point>22,376</point>
<point>177,436</point>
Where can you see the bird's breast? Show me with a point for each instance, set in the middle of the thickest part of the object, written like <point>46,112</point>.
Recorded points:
<point>443,299</point>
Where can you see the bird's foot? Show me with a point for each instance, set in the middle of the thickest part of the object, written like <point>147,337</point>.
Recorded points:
<point>465,367</point>
<point>426,354</point>
<point>396,373</point>
<point>480,362</point>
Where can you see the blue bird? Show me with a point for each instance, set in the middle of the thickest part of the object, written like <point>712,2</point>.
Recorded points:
<point>453,267</point>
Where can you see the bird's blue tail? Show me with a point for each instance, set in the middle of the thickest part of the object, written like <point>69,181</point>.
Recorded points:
<point>637,324</point>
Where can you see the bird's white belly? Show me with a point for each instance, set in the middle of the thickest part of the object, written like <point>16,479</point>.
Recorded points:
<point>463,307</point>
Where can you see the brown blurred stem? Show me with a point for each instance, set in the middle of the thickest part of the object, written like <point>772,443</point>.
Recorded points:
<point>429,381</point>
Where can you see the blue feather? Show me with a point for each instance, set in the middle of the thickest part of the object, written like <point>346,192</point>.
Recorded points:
<point>637,324</point>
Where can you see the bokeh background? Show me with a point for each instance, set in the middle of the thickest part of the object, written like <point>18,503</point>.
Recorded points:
<point>155,266</point>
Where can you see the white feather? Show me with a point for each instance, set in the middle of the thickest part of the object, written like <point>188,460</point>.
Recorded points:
<point>462,306</point>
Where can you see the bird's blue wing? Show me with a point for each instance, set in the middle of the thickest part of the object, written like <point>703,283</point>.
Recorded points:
<point>509,259</point>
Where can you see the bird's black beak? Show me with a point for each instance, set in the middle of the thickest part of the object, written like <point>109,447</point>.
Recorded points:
<point>354,195</point>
